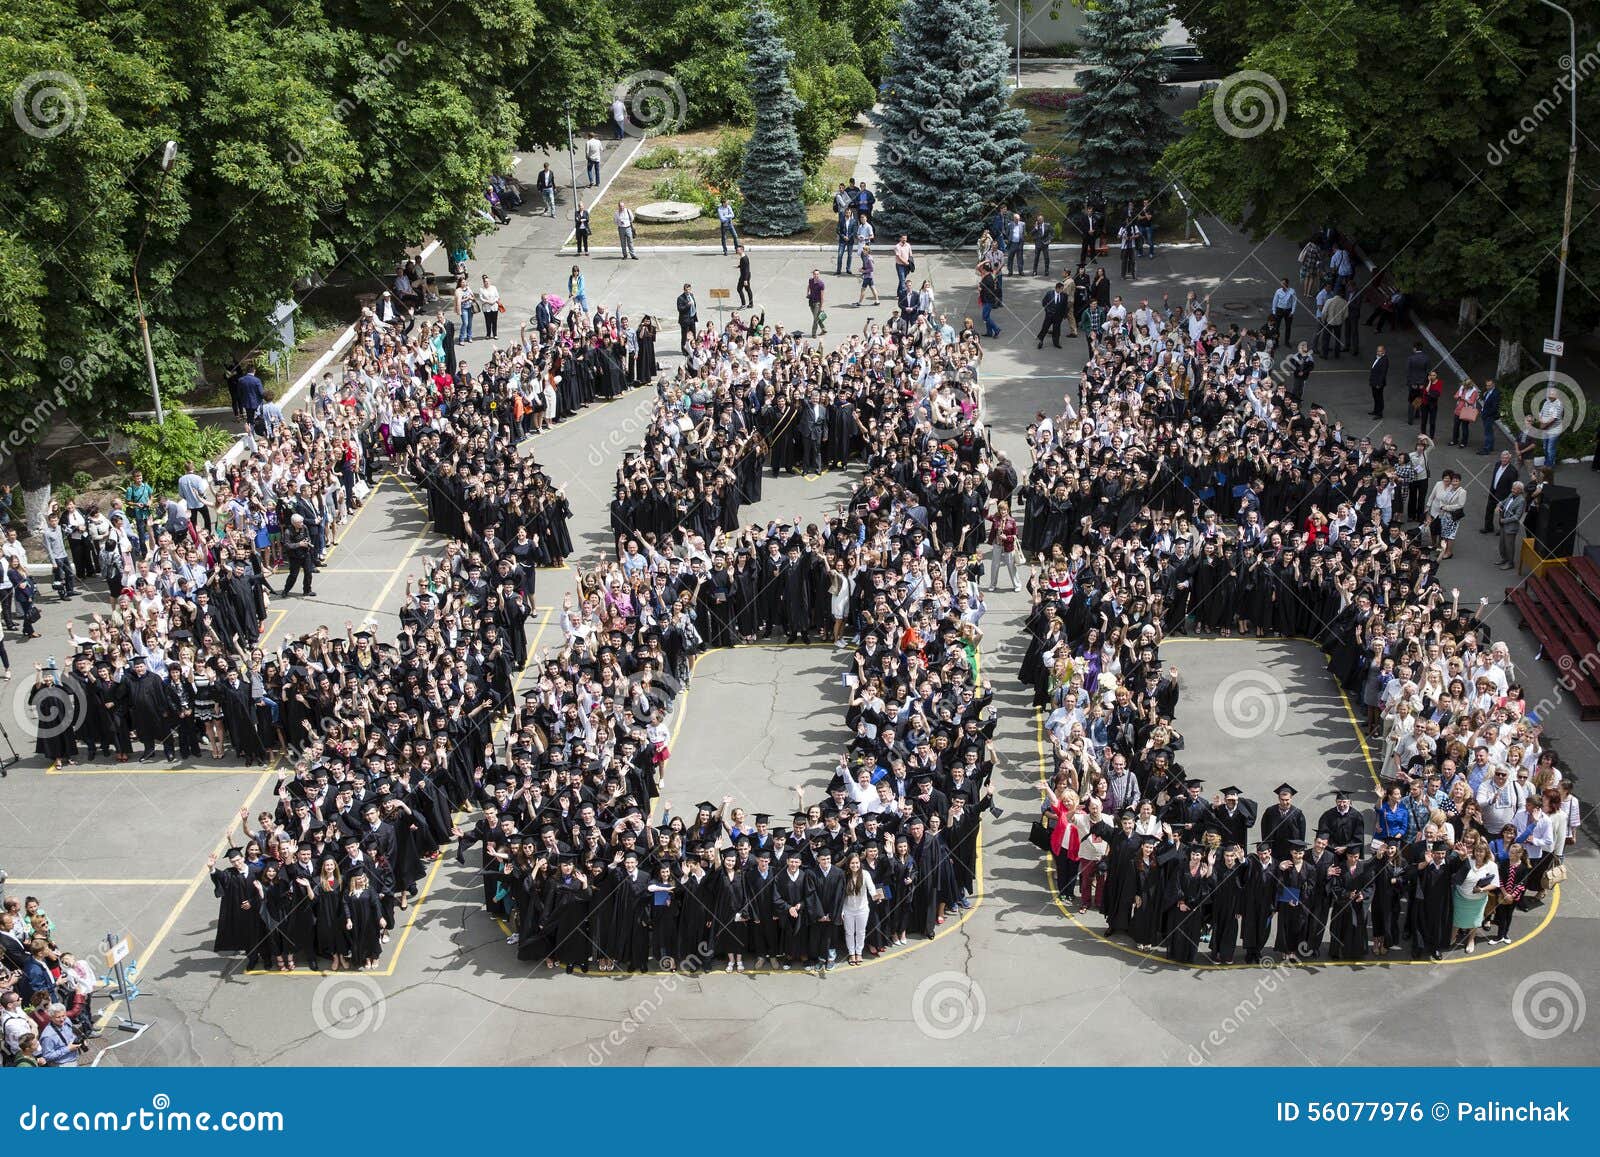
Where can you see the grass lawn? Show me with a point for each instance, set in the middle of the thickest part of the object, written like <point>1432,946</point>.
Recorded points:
<point>633,185</point>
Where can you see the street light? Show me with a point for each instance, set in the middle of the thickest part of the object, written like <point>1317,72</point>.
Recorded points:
<point>169,156</point>
<point>572,165</point>
<point>1572,166</point>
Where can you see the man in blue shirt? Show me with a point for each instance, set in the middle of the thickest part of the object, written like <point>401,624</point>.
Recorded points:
<point>1284,302</point>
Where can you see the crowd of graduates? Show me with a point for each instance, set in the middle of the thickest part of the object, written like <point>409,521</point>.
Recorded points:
<point>1189,490</point>
<point>580,857</point>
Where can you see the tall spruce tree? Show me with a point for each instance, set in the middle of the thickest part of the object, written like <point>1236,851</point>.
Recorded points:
<point>952,146</point>
<point>1118,122</point>
<point>773,183</point>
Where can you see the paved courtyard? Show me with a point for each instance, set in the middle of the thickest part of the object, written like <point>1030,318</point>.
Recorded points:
<point>1017,981</point>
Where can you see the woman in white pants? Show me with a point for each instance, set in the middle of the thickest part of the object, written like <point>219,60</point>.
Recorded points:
<point>859,892</point>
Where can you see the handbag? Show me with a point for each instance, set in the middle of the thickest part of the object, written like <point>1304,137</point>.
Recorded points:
<point>1555,874</point>
<point>1039,835</point>
<point>1468,414</point>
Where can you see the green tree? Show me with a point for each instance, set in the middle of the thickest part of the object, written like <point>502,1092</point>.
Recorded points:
<point>426,100</point>
<point>1449,174</point>
<point>1118,122</point>
<point>774,177</point>
<point>91,115</point>
<point>952,146</point>
<point>701,45</point>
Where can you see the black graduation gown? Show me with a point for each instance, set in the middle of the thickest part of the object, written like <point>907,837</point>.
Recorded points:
<point>1388,890</point>
<point>694,918</point>
<point>729,903</point>
<point>664,913</point>
<point>796,587</point>
<point>1279,828</point>
<point>364,912</point>
<point>1260,890</point>
<point>239,717</point>
<point>1147,884</point>
<point>1431,908</point>
<point>567,903</point>
<point>299,919</point>
<point>630,919</point>
<point>236,924</point>
<point>330,911</point>
<point>1347,927</point>
<point>1119,891</point>
<point>1225,901</point>
<point>150,706</point>
<point>828,906</point>
<point>793,927</point>
<point>1295,890</point>
<point>1183,928</point>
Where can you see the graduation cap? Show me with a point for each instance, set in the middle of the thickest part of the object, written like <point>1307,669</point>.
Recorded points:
<point>730,853</point>
<point>1231,790</point>
<point>1351,849</point>
<point>1283,787</point>
<point>1191,782</point>
<point>801,816</point>
<point>763,818</point>
<point>1341,796</point>
<point>1264,845</point>
<point>706,805</point>
<point>232,852</point>
<point>1439,846</point>
<point>792,854</point>
<point>1297,845</point>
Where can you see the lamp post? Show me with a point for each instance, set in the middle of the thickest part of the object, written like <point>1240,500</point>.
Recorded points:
<point>572,165</point>
<point>1019,45</point>
<point>1572,166</point>
<point>169,156</point>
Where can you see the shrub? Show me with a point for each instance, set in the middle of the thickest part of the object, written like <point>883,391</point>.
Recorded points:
<point>660,157</point>
<point>82,480</point>
<point>163,451</point>
<point>724,165</point>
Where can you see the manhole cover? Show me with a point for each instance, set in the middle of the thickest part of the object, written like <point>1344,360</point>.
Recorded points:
<point>1236,307</point>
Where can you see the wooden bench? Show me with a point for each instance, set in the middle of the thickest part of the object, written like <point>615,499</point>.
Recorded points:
<point>1557,634</point>
<point>1574,599</point>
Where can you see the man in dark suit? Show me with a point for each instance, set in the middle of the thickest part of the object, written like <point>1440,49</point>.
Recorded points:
<point>688,318</point>
<point>1055,306</point>
<point>1501,479</point>
<point>813,420</point>
<point>747,297</point>
<point>1378,381</point>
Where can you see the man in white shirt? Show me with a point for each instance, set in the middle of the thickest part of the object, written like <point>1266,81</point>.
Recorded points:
<point>591,160</point>
<point>193,488</point>
<point>619,117</point>
<point>55,546</point>
<point>624,219</point>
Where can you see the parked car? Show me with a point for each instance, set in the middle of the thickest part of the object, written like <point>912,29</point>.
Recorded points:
<point>1185,63</point>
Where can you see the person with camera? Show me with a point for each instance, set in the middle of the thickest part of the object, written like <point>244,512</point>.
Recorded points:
<point>59,1045</point>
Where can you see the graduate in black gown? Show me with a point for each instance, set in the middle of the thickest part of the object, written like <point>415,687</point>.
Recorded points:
<point>1188,887</point>
<point>364,921</point>
<point>568,897</point>
<point>1350,885</point>
<point>1430,908</point>
<point>1225,902</point>
<point>236,916</point>
<point>331,913</point>
<point>1296,882</point>
<point>730,910</point>
<point>1260,898</point>
<point>1148,888</point>
<point>793,898</point>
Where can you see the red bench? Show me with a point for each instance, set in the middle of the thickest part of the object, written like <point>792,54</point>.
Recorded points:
<point>1540,605</point>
